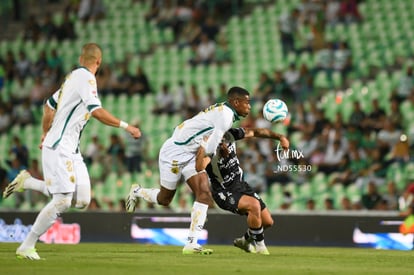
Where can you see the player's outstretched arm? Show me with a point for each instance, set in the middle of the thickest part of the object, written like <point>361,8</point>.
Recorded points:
<point>267,133</point>
<point>107,118</point>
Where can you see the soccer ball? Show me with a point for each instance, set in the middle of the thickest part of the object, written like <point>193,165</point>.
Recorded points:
<point>275,110</point>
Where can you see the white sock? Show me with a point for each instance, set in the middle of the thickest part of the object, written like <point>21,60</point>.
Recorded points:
<point>148,194</point>
<point>46,218</point>
<point>37,185</point>
<point>198,218</point>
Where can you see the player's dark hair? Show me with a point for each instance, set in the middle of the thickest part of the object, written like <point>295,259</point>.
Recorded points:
<point>237,92</point>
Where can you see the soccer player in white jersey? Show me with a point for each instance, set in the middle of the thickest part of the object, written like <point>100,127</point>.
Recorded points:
<point>66,177</point>
<point>177,158</point>
<point>232,193</point>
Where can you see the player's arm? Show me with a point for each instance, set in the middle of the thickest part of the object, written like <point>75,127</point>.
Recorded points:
<point>201,159</point>
<point>107,118</point>
<point>266,133</point>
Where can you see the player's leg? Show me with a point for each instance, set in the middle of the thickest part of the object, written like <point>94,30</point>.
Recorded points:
<point>82,195</point>
<point>199,184</point>
<point>250,206</point>
<point>46,218</point>
<point>60,175</point>
<point>170,174</point>
<point>24,181</point>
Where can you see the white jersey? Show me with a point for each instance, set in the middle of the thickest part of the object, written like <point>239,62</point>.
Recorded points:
<point>213,122</point>
<point>74,102</point>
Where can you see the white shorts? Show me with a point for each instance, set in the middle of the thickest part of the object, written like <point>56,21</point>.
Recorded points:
<point>64,172</point>
<point>175,162</point>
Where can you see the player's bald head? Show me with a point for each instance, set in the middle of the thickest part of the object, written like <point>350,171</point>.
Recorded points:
<point>91,53</point>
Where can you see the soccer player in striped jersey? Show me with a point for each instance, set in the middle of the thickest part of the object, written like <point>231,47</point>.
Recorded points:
<point>177,159</point>
<point>65,115</point>
<point>232,193</point>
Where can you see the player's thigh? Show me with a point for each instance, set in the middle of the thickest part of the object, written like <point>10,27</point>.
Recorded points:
<point>249,204</point>
<point>58,171</point>
<point>82,195</point>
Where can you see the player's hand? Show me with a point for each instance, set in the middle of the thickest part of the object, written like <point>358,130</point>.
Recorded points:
<point>134,131</point>
<point>284,142</point>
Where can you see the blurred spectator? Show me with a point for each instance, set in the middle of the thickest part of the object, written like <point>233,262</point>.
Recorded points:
<point>94,151</point>
<point>263,88</point>
<point>22,114</point>
<point>66,29</point>
<point>55,63</point>
<point>375,119</point>
<point>20,91</point>
<point>342,60</point>
<point>5,119</point>
<point>135,150</point>
<point>348,11</point>
<point>332,8</point>
<point>371,198</point>
<point>194,103</point>
<point>210,28</point>
<point>280,88</point>
<point>12,172</point>
<point>288,27</point>
<point>357,116</point>
<point>405,84</point>
<point>19,150</point>
<point>38,92</point>
<point>190,34</point>
<point>388,136</point>
<point>286,201</point>
<point>48,27</point>
<point>104,80</point>
<point>166,15</point>
<point>329,204</point>
<point>23,65</point>
<point>324,61</point>
<point>165,101</point>
<point>115,155</point>
<point>204,52</point>
<point>180,97</point>
<point>304,84</point>
<point>291,75</point>
<point>94,205</point>
<point>395,114</point>
<point>91,10</point>
<point>123,81</point>
<point>223,53</point>
<point>32,29</point>
<point>346,204</point>
<point>333,156</point>
<point>400,152</point>
<point>140,84</point>
<point>391,196</point>
<point>40,65</point>
<point>10,66</point>
<point>310,204</point>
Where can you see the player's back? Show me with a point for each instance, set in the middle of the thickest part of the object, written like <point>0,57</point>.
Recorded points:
<point>191,132</point>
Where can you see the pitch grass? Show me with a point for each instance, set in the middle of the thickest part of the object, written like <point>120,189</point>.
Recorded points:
<point>115,258</point>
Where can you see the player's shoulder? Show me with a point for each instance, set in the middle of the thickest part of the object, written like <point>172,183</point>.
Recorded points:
<point>83,72</point>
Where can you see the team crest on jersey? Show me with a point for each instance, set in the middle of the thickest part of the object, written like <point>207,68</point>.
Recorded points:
<point>175,169</point>
<point>72,179</point>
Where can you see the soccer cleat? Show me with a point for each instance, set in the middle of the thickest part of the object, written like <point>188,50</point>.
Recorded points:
<point>196,250</point>
<point>262,249</point>
<point>131,200</point>
<point>29,254</point>
<point>245,245</point>
<point>17,184</point>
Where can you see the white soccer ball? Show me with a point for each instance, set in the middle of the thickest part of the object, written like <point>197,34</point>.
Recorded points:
<point>275,110</point>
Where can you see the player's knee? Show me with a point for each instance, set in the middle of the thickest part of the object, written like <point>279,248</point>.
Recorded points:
<point>81,204</point>
<point>62,204</point>
<point>205,197</point>
<point>164,201</point>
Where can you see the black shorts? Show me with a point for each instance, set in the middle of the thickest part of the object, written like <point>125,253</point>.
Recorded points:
<point>228,199</point>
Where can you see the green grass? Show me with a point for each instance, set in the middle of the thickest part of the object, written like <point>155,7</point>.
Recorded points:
<point>115,258</point>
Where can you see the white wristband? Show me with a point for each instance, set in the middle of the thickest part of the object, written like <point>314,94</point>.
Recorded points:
<point>123,124</point>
